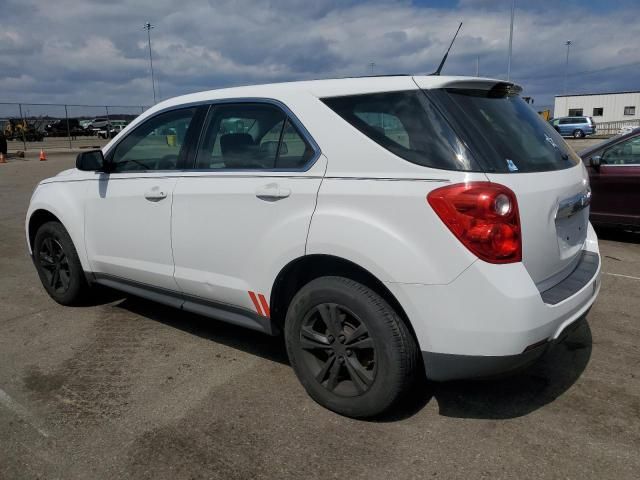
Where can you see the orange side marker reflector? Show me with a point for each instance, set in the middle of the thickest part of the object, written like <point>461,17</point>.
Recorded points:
<point>254,299</point>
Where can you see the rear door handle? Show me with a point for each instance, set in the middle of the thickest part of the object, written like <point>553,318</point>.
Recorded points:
<point>272,192</point>
<point>155,194</point>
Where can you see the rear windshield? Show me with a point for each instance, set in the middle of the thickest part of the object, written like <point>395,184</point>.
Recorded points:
<point>408,125</point>
<point>507,132</point>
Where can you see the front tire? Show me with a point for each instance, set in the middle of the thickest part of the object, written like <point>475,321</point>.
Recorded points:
<point>350,350</point>
<point>58,265</point>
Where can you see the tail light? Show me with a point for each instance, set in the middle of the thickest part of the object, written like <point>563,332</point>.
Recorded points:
<point>483,216</point>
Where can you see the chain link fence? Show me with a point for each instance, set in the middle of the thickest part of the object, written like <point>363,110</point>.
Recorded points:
<point>49,126</point>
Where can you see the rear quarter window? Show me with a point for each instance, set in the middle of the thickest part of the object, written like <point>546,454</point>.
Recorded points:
<point>408,125</point>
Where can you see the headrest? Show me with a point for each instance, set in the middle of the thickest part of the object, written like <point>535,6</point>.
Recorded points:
<point>235,142</point>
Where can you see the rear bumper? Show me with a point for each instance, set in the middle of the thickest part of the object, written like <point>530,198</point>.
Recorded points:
<point>444,366</point>
<point>493,318</point>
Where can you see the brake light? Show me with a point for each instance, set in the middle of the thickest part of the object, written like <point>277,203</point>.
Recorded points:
<point>483,216</point>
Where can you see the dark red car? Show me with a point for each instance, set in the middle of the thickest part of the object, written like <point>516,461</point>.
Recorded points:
<point>614,171</point>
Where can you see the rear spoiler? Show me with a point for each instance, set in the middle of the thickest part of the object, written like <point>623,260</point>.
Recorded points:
<point>467,83</point>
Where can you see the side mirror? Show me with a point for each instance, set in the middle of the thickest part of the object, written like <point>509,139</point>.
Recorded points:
<point>596,161</point>
<point>90,161</point>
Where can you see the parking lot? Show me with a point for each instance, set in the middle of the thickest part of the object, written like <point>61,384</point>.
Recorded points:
<point>124,388</point>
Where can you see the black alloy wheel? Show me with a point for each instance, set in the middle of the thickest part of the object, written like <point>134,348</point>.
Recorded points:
<point>349,348</point>
<point>338,350</point>
<point>55,265</point>
<point>58,265</point>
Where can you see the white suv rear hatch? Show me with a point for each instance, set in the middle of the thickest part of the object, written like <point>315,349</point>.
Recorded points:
<point>552,239</point>
<point>518,149</point>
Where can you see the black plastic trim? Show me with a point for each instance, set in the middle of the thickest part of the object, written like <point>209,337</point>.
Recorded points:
<point>583,273</point>
<point>215,310</point>
<point>442,367</point>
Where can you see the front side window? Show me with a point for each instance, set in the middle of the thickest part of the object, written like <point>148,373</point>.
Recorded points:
<point>408,125</point>
<point>629,110</point>
<point>251,137</point>
<point>157,144</point>
<point>624,153</point>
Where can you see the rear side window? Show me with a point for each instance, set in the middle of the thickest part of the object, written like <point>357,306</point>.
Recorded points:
<point>508,134</point>
<point>251,137</point>
<point>408,125</point>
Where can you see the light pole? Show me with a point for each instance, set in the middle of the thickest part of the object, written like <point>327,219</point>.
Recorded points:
<point>513,11</point>
<point>566,66</point>
<point>148,27</point>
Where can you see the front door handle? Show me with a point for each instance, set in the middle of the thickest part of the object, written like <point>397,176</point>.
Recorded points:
<point>155,194</point>
<point>272,192</point>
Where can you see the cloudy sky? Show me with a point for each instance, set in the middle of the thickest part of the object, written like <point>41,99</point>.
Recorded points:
<point>95,51</point>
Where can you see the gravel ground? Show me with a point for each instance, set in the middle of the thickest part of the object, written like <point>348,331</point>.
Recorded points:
<point>129,389</point>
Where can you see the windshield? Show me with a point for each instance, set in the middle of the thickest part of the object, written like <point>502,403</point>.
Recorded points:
<point>508,133</point>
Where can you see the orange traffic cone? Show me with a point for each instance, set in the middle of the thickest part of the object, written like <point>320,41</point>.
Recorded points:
<point>2,158</point>
<point>43,156</point>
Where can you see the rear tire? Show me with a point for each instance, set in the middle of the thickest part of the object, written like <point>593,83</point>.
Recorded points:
<point>350,350</point>
<point>58,265</point>
<point>577,133</point>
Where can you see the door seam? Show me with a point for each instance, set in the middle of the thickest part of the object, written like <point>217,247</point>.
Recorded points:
<point>173,258</point>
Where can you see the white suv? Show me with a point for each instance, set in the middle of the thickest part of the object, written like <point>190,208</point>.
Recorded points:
<point>382,224</point>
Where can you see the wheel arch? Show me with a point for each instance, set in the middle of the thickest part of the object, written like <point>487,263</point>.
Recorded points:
<point>61,201</point>
<point>38,218</point>
<point>302,270</point>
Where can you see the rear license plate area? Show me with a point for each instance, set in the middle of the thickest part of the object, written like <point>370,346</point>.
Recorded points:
<point>572,233</point>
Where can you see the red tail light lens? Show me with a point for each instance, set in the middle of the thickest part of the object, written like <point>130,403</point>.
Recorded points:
<point>483,216</point>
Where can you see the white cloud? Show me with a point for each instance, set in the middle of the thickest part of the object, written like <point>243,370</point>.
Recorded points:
<point>96,51</point>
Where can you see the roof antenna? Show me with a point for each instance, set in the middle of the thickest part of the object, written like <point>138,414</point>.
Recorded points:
<point>444,59</point>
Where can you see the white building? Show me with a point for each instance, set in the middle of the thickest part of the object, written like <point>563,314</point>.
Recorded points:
<point>603,107</point>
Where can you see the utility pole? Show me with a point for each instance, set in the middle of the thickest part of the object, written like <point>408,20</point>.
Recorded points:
<point>513,11</point>
<point>148,27</point>
<point>372,66</point>
<point>477,65</point>
<point>566,66</point>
